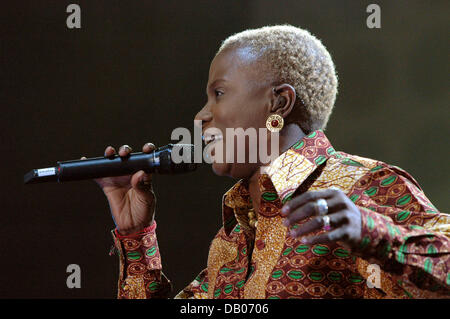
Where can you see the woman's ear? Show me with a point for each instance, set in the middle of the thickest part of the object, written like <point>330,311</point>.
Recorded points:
<point>283,99</point>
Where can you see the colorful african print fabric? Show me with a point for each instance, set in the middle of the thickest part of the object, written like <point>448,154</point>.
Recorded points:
<point>140,275</point>
<point>404,238</point>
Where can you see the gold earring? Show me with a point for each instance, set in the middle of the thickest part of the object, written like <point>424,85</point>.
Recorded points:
<point>275,123</point>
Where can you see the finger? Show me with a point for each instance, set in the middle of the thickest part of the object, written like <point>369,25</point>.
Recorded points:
<point>308,227</point>
<point>148,147</point>
<point>314,224</point>
<point>305,211</point>
<point>110,151</point>
<point>125,150</point>
<point>332,236</point>
<point>142,182</point>
<point>335,204</point>
<point>307,197</point>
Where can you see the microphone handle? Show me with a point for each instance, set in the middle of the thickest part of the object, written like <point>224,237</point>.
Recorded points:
<point>159,161</point>
<point>98,167</point>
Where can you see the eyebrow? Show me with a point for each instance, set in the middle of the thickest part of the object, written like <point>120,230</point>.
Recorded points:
<point>214,84</point>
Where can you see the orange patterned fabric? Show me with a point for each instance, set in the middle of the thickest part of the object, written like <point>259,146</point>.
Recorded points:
<point>404,251</point>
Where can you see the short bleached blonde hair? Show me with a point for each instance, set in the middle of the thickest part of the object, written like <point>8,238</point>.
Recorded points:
<point>296,57</point>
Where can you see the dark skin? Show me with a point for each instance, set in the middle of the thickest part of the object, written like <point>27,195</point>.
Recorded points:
<point>237,97</point>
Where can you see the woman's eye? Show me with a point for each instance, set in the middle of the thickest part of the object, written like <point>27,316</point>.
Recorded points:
<point>218,93</point>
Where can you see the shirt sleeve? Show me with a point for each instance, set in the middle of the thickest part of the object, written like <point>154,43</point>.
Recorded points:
<point>403,232</point>
<point>140,275</point>
<point>197,289</point>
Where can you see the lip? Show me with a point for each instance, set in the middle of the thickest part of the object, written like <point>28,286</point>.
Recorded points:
<point>210,138</point>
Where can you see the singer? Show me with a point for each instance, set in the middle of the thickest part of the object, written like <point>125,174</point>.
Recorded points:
<point>315,222</point>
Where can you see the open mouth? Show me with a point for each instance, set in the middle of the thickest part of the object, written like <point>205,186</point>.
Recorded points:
<point>208,139</point>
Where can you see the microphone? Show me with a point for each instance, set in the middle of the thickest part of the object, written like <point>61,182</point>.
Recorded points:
<point>159,161</point>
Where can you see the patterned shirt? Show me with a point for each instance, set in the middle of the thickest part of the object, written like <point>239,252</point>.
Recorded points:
<point>404,251</point>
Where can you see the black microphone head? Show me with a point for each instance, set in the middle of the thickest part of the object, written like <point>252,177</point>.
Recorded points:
<point>177,159</point>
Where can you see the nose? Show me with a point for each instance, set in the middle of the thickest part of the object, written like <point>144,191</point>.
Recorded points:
<point>203,117</point>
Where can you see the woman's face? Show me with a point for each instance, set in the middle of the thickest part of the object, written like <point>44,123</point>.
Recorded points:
<point>238,97</point>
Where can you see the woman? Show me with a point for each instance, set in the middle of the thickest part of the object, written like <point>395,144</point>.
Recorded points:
<point>314,223</point>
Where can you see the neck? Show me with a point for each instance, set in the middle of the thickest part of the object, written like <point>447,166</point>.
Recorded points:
<point>290,134</point>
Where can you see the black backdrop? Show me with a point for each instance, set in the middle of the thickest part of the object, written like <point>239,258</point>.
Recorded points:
<point>138,69</point>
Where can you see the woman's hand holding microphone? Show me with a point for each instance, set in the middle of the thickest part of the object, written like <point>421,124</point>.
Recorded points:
<point>131,198</point>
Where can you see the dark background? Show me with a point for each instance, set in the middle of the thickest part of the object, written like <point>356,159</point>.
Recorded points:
<point>138,69</point>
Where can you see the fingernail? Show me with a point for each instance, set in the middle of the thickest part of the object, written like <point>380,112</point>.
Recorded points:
<point>292,233</point>
<point>285,210</point>
<point>286,222</point>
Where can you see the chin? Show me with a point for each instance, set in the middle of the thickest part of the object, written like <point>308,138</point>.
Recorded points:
<point>236,171</point>
<point>221,169</point>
